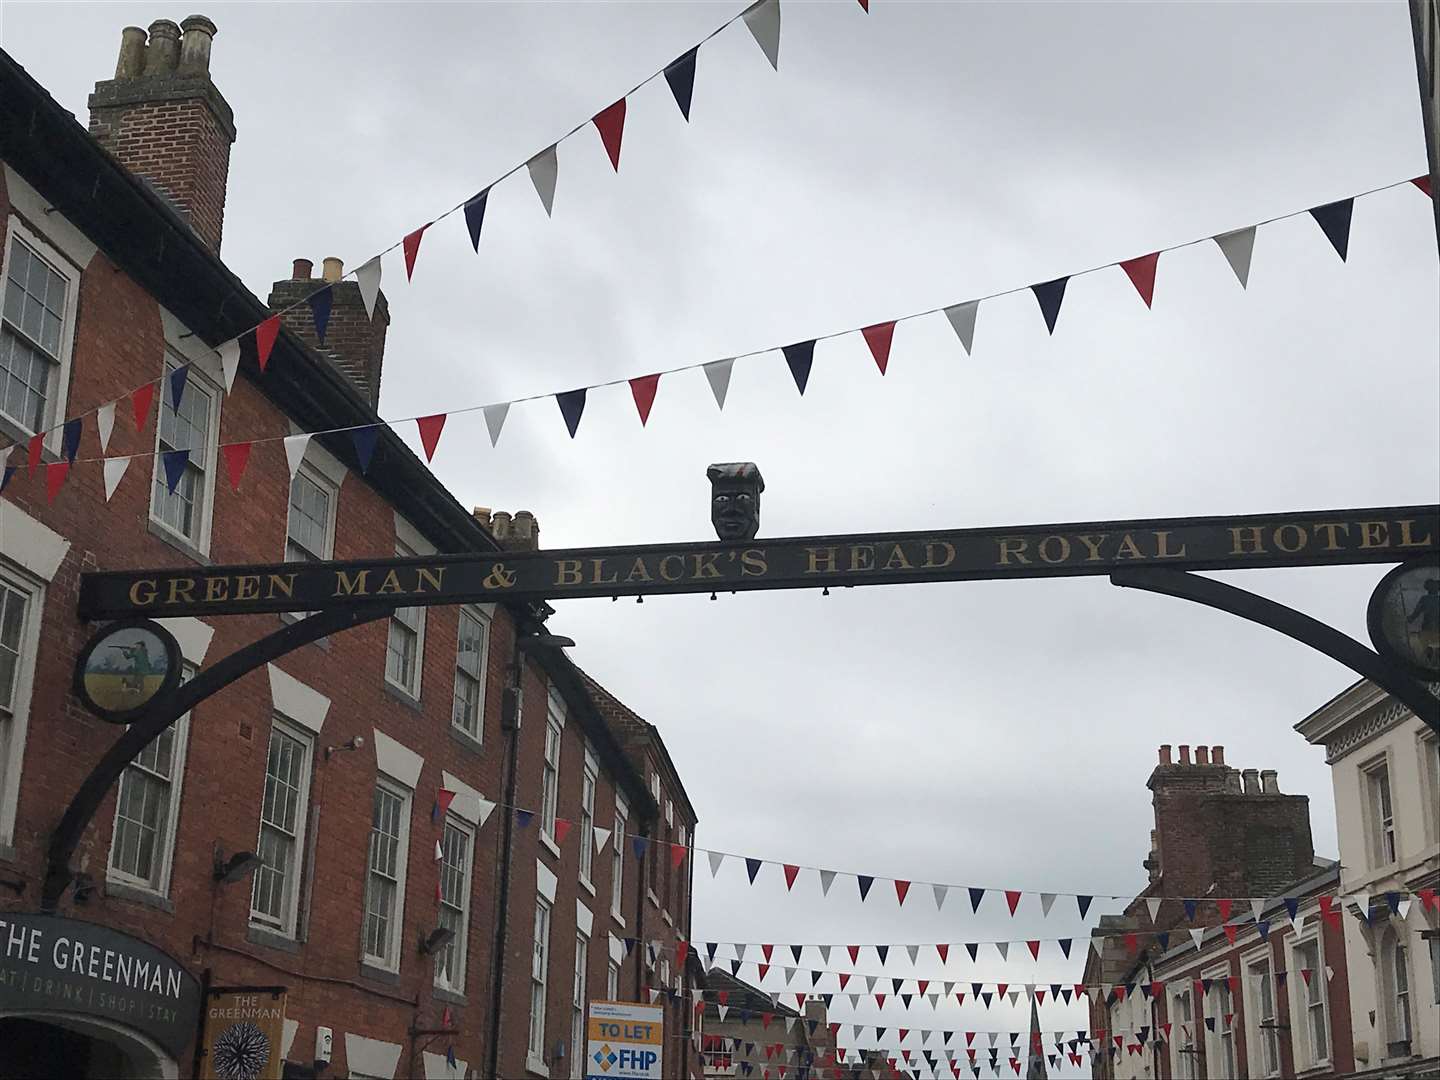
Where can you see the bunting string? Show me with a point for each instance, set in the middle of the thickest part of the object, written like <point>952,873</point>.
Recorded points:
<point>1236,245</point>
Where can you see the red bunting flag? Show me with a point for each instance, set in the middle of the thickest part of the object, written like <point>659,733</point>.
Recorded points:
<point>35,452</point>
<point>767,950</point>
<point>866,5</point>
<point>643,390</point>
<point>880,1000</point>
<point>1000,989</point>
<point>562,830</point>
<point>677,855</point>
<point>844,979</point>
<point>140,401</point>
<point>55,473</point>
<point>1224,906</point>
<point>902,889</point>
<point>443,799</point>
<point>1034,947</point>
<point>1429,898</point>
<point>878,337</point>
<point>766,1019</point>
<point>763,969</point>
<point>1423,183</point>
<point>903,1033</point>
<point>265,335</point>
<point>924,984</point>
<point>1039,1000</point>
<point>610,122</point>
<point>682,950</point>
<point>790,873</point>
<point>1305,974</point>
<point>237,456</point>
<point>430,428</point>
<point>411,244</point>
<point>1132,942</point>
<point>1141,272</point>
<point>854,951</point>
<point>944,950</point>
<point>1230,931</point>
<point>1012,897</point>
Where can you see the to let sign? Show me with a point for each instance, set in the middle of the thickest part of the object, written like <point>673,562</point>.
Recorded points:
<point>63,965</point>
<point>625,1041</point>
<point>1313,538</point>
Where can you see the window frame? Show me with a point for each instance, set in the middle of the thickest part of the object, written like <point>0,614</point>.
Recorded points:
<point>1184,1064</point>
<point>288,926</point>
<point>15,727</point>
<point>57,396</point>
<point>550,768</point>
<point>405,551</point>
<point>1397,991</point>
<point>1429,753</point>
<point>617,861</point>
<point>197,381</point>
<point>579,1004</point>
<point>483,614</point>
<point>1258,1037</point>
<point>1224,1052</point>
<point>457,952</point>
<point>395,936</point>
<point>589,786</point>
<point>331,489</point>
<point>1382,832</point>
<point>612,979</point>
<point>539,985</point>
<point>160,883</point>
<point>1302,1034</point>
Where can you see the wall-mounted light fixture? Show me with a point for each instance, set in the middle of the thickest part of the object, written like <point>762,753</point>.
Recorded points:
<point>436,940</point>
<point>234,868</point>
<point>357,743</point>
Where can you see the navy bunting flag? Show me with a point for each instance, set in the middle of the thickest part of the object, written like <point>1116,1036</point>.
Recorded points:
<point>475,216</point>
<point>572,407</point>
<point>1050,294</point>
<point>800,356</point>
<point>320,304</point>
<point>1334,221</point>
<point>680,74</point>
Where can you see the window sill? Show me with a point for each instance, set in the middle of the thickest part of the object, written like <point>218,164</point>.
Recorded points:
<point>8,854</point>
<point>536,1066</point>
<point>550,844</point>
<point>588,886</point>
<point>666,916</point>
<point>400,694</point>
<point>619,919</point>
<point>450,997</point>
<point>138,894</point>
<point>371,971</point>
<point>465,739</point>
<point>654,900</point>
<point>271,939</point>
<point>174,540</point>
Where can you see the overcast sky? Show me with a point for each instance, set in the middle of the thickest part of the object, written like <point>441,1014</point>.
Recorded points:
<point>996,734</point>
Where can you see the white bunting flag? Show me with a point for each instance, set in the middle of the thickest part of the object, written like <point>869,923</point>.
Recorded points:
<point>1152,904</point>
<point>654,995</point>
<point>439,852</point>
<point>722,1010</point>
<point>602,837</point>
<point>824,954</point>
<point>1047,900</point>
<point>295,451</point>
<point>1257,906</point>
<point>914,951</point>
<point>854,1000</point>
<point>1197,935</point>
<point>869,984</point>
<point>994,1036</point>
<point>1003,948</point>
<point>740,951</point>
<point>229,361</point>
<point>790,1021</point>
<point>941,891</point>
<point>1238,246</point>
<point>367,276</point>
<point>827,878</point>
<point>114,468</point>
<point>105,422</point>
<point>1014,996</point>
<point>934,1000</point>
<point>485,809</point>
<point>716,858</point>
<point>763,19</point>
<point>717,373</point>
<point>495,419</point>
<point>855,1030</point>
<point>1361,901</point>
<point>962,319</point>
<point>544,168</point>
<point>1098,944</point>
<point>1403,908</point>
<point>1329,973</point>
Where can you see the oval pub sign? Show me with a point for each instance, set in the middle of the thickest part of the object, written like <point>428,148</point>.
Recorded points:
<point>126,666</point>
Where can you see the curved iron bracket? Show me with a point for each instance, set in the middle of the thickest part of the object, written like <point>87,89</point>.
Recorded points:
<point>164,712</point>
<point>1367,663</point>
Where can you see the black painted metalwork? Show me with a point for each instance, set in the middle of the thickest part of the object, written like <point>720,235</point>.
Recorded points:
<point>1258,609</point>
<point>163,712</point>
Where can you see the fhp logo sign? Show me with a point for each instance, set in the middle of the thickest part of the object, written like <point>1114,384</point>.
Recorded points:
<point>625,1041</point>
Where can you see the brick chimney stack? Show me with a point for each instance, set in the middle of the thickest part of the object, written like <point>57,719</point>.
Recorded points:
<point>164,120</point>
<point>517,532</point>
<point>354,342</point>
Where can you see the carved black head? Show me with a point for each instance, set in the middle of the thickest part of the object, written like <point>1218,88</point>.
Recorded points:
<point>735,490</point>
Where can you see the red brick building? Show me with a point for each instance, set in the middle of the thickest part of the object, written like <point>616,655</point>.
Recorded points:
<point>374,776</point>
<point>1192,989</point>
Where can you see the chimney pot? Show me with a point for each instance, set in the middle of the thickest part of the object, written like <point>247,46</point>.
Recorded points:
<point>1165,754</point>
<point>302,270</point>
<point>1269,782</point>
<point>1202,755</point>
<point>332,269</point>
<point>1232,782</point>
<point>164,51</point>
<point>1217,755</point>
<point>131,64</point>
<point>1184,753</point>
<point>482,515</point>
<point>1252,781</point>
<point>199,35</point>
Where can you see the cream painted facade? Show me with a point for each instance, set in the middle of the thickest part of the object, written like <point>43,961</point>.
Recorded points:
<point>1385,768</point>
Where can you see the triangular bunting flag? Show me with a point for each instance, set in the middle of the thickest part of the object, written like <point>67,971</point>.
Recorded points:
<point>940,891</point>
<point>790,873</point>
<point>363,439</point>
<point>562,830</point>
<point>1050,294</point>
<point>879,337</point>
<point>800,355</point>
<point>976,895</point>
<point>523,818</point>
<point>475,216</point>
<point>1083,903</point>
<point>902,890</point>
<point>1334,221</point>
<point>642,389</point>
<point>495,419</point>
<point>962,320</point>
<point>1012,898</point>
<point>295,451</point>
<point>763,20</point>
<point>140,400</point>
<point>1152,904</point>
<point>70,436</point>
<point>237,456</point>
<point>175,462</point>
<point>430,429</point>
<point>752,867</point>
<point>367,276</point>
<point>320,304</point>
<point>105,424</point>
<point>717,373</point>
<point>265,335</point>
<point>411,246</point>
<point>544,169</point>
<point>229,361</point>
<point>113,469</point>
<point>601,838</point>
<point>572,406</point>
<point>716,858</point>
<point>680,74</point>
<point>1196,936</point>
<point>610,122</point>
<point>1141,272</point>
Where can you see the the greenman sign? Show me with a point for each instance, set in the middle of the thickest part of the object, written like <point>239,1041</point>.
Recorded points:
<point>1319,538</point>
